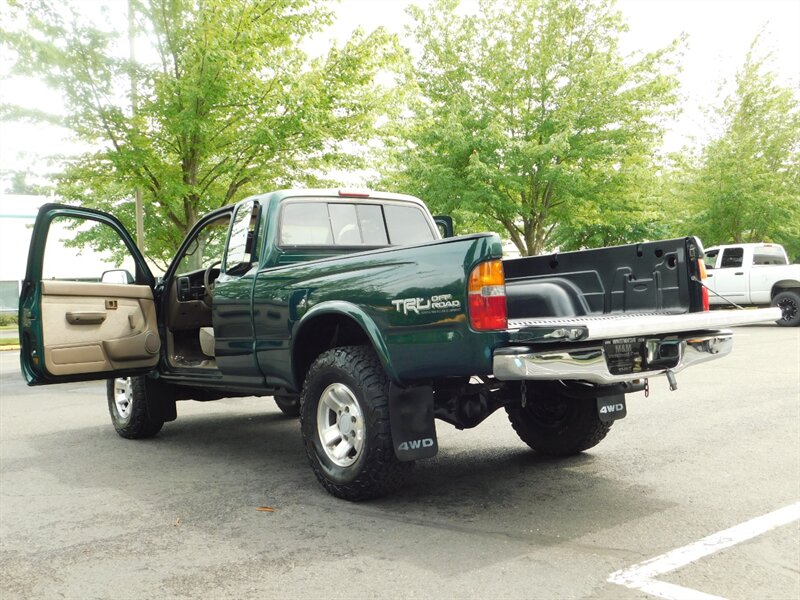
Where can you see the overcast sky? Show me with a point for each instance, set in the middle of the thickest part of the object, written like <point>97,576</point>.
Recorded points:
<point>720,32</point>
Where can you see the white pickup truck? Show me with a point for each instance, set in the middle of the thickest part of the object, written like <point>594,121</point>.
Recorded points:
<point>754,274</point>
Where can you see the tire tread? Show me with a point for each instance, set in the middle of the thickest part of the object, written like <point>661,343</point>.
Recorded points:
<point>140,425</point>
<point>382,472</point>
<point>585,431</point>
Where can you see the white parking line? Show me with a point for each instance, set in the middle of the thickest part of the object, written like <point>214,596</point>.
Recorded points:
<point>641,576</point>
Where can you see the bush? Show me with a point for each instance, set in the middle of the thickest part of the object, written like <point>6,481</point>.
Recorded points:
<point>8,319</point>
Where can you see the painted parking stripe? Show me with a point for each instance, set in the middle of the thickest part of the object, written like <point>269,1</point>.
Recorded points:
<point>642,575</point>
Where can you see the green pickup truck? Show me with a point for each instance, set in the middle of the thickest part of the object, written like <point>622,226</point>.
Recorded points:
<point>359,312</point>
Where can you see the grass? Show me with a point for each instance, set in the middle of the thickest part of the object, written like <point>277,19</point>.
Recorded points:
<point>9,342</point>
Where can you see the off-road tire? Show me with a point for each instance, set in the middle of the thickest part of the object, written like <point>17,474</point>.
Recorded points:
<point>289,405</point>
<point>375,470</point>
<point>555,425</point>
<point>132,421</point>
<point>789,302</point>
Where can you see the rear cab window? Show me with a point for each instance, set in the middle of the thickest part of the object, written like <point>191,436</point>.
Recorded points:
<point>332,223</point>
<point>769,255</point>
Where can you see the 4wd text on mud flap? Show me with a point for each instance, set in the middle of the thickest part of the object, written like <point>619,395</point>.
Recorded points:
<point>416,444</point>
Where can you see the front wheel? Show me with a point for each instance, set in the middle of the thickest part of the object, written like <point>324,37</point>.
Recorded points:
<point>344,416</point>
<point>127,406</point>
<point>556,425</point>
<point>789,302</point>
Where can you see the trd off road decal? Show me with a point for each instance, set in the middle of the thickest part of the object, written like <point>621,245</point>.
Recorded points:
<point>433,304</point>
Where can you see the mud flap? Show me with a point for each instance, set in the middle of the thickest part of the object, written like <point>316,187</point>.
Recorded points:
<point>411,418</point>
<point>160,399</point>
<point>611,408</point>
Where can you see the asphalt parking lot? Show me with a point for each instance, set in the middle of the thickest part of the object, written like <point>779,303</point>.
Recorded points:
<point>86,514</point>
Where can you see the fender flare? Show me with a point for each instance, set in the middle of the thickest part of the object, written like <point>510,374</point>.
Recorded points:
<point>360,317</point>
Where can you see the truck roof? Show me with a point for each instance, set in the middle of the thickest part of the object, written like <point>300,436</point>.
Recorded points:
<point>352,194</point>
<point>745,245</point>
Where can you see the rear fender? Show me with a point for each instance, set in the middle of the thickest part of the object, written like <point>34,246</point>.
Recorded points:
<point>783,285</point>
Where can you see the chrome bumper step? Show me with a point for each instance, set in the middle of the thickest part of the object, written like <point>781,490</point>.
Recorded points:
<point>595,364</point>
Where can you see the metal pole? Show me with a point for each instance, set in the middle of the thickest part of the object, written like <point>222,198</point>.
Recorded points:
<point>139,219</point>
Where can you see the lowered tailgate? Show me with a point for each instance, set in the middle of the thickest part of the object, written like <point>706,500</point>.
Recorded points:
<point>600,327</point>
<point>617,348</point>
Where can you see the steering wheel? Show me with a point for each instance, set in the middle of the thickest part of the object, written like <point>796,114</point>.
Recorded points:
<point>208,291</point>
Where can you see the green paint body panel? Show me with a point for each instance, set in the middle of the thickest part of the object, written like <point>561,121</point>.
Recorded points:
<point>295,287</point>
<point>362,287</point>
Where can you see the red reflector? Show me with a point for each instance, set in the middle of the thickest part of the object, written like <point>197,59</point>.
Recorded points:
<point>488,312</point>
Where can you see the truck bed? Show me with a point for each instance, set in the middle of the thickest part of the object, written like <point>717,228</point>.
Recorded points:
<point>638,289</point>
<point>637,278</point>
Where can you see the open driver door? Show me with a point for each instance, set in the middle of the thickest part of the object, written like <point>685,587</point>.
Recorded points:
<point>74,325</point>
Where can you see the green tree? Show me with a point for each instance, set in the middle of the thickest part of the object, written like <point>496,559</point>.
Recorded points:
<point>531,119</point>
<point>224,102</point>
<point>745,185</point>
<point>18,183</point>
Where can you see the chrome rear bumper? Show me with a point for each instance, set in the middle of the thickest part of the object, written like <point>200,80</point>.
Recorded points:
<point>590,363</point>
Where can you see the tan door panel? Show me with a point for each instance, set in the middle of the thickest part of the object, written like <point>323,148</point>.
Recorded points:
<point>97,327</point>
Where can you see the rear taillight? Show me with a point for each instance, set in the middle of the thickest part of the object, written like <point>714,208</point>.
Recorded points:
<point>487,297</point>
<point>702,270</point>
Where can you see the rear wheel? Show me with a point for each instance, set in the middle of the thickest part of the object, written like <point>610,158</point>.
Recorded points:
<point>127,405</point>
<point>789,302</point>
<point>555,425</point>
<point>344,415</point>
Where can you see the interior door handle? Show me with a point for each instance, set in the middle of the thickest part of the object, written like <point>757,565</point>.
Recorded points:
<point>86,318</point>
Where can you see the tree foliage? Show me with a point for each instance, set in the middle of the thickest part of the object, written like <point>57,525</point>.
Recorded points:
<point>531,119</point>
<point>18,183</point>
<point>224,102</point>
<point>745,186</point>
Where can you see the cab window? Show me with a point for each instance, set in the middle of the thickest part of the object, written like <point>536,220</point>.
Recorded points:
<point>242,244</point>
<point>769,255</point>
<point>206,248</point>
<point>710,258</point>
<point>407,225</point>
<point>83,250</point>
<point>320,223</point>
<point>306,224</point>
<point>732,258</point>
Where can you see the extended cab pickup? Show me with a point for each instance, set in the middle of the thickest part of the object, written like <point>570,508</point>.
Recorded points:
<point>754,274</point>
<point>353,312</point>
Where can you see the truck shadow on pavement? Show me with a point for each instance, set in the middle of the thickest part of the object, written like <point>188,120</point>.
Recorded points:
<point>222,463</point>
<point>202,479</point>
